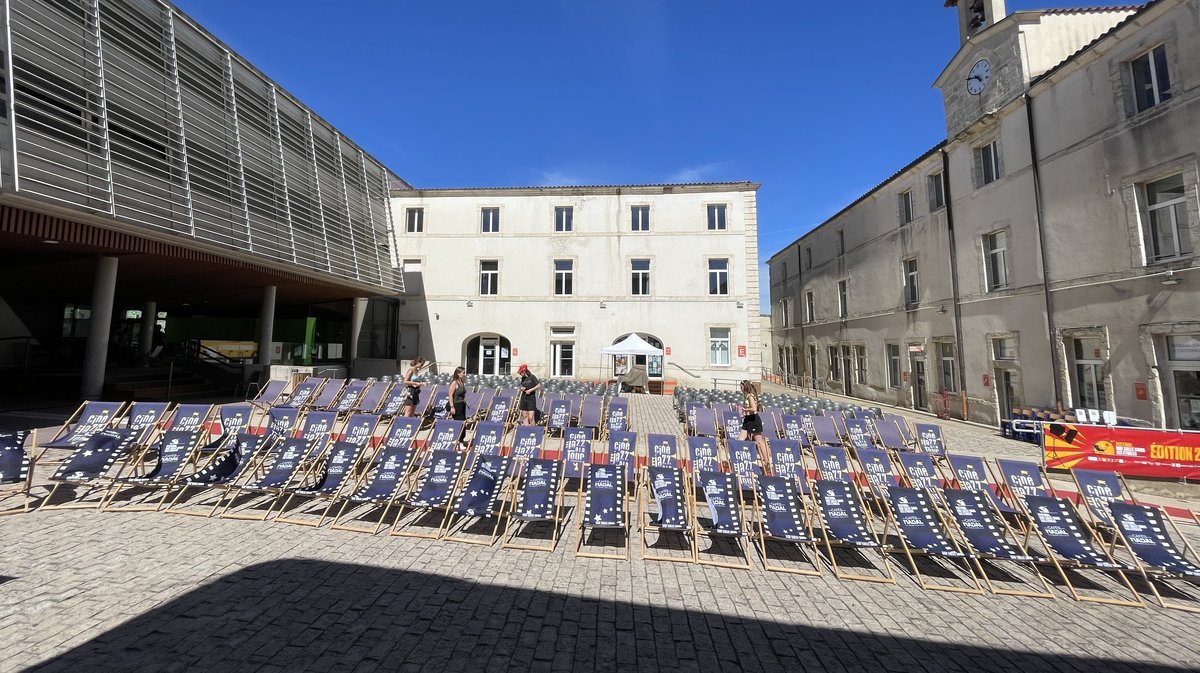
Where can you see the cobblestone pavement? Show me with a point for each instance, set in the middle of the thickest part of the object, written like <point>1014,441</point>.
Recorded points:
<point>93,591</point>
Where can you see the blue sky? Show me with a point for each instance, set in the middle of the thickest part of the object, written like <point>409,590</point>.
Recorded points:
<point>818,101</point>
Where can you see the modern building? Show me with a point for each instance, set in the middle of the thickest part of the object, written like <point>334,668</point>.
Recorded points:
<point>1044,253</point>
<point>549,276</point>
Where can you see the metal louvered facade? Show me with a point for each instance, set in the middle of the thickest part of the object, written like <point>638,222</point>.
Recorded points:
<point>127,110</point>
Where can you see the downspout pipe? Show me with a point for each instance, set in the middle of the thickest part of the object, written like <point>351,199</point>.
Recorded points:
<point>1051,326</point>
<point>954,291</point>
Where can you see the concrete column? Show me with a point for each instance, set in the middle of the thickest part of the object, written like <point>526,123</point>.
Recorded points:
<point>96,356</point>
<point>149,316</point>
<point>266,325</point>
<point>358,310</point>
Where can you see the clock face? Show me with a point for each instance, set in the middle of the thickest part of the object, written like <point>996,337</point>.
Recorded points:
<point>978,77</point>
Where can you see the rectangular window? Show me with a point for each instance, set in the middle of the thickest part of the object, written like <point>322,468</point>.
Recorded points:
<point>718,346</point>
<point>996,263</point>
<point>843,308</point>
<point>489,222</point>
<point>563,216</point>
<point>937,191</point>
<point>718,276</point>
<point>893,354</point>
<point>812,361</point>
<point>716,217</point>
<point>639,218</point>
<point>415,220</point>
<point>1088,373</point>
<point>641,276</point>
<point>835,371</point>
<point>860,364</point>
<point>564,277</point>
<point>906,207</point>
<point>562,358</point>
<point>1167,232</point>
<point>807,259</point>
<point>489,277</point>
<point>810,307</point>
<point>949,382</point>
<point>988,158</point>
<point>1151,84</point>
<point>1004,348</point>
<point>841,243</point>
<point>912,291</point>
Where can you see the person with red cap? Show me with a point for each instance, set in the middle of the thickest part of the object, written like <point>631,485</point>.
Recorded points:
<point>529,388</point>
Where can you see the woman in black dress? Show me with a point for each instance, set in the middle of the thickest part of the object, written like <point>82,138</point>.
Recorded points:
<point>752,427</point>
<point>458,395</point>
<point>529,388</point>
<point>412,387</point>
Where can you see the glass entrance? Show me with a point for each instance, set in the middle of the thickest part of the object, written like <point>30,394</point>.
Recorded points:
<point>489,355</point>
<point>1187,398</point>
<point>920,397</point>
<point>1008,390</point>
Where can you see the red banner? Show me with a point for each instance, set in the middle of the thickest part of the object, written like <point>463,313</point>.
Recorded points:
<point>1134,451</point>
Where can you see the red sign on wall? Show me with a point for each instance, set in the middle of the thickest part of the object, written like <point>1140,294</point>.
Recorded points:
<point>987,381</point>
<point>1134,451</point>
<point>515,353</point>
<point>741,351</point>
<point>666,350</point>
<point>904,376</point>
<point>1139,391</point>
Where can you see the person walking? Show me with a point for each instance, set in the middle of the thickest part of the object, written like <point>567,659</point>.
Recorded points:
<point>412,387</point>
<point>529,388</point>
<point>458,395</point>
<point>752,427</point>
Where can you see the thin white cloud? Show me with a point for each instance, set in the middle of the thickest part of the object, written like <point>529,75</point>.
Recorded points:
<point>696,173</point>
<point>558,178</point>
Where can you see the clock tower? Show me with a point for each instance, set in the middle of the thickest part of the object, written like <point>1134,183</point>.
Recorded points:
<point>976,15</point>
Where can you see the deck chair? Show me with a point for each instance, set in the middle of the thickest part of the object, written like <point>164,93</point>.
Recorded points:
<point>174,450</point>
<point>705,454</point>
<point>143,417</point>
<point>832,463</point>
<point>731,423</point>
<point>501,409</point>
<point>288,462</point>
<point>559,416</point>
<point>238,459</point>
<point>806,422</point>
<point>787,461</point>
<point>488,439</point>
<point>616,418</point>
<point>771,423</point>
<point>190,418</point>
<point>477,501</point>
<point>576,451</point>
<point>662,450</point>
<point>846,524</point>
<point>990,538</point>
<point>401,432</point>
<point>689,415</point>
<point>358,429</point>
<point>920,473</point>
<point>930,441</point>
<point>16,471</point>
<point>706,423</point>
<point>591,414</point>
<point>880,475</point>
<point>336,473</point>
<point>923,532</point>
<point>859,434</point>
<point>280,420</point>
<point>86,466</point>
<point>303,393</point>
<point>89,419</point>
<point>317,424</point>
<point>326,396</point>
<point>1147,531</point>
<point>1099,489</point>
<point>970,473</point>
<point>825,433</point>
<point>784,519</point>
<point>603,503</point>
<point>793,428</point>
<point>475,402</point>
<point>622,450</point>
<point>1023,479</point>
<point>379,489</point>
<point>1075,545</point>
<point>540,501</point>
<point>231,419</point>
<point>743,458</point>
<point>445,436</point>
<point>440,471</point>
<point>890,435</point>
<point>270,394</point>
<point>673,512</point>
<point>726,519</point>
<point>372,398</point>
<point>527,443</point>
<point>393,401</point>
<point>901,425</point>
<point>350,396</point>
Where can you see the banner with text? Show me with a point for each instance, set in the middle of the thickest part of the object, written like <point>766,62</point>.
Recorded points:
<point>1133,451</point>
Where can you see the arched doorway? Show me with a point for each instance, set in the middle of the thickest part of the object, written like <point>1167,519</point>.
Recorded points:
<point>653,363</point>
<point>488,354</point>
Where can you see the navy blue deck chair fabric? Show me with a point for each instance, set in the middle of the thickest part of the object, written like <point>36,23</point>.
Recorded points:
<point>338,467</point>
<point>724,508</point>
<point>401,432</point>
<point>94,417</point>
<point>445,435</point>
<point>743,457</point>
<point>839,422</point>
<point>391,466</point>
<point>539,490</point>
<point>282,420</point>
<point>842,514</point>
<point>731,422</point>
<point>917,519</point>
<point>832,463</point>
<point>190,417</point>
<point>772,423</point>
<point>622,450</point>
<point>1146,532</point>
<point>877,466</point>
<point>666,484</point>
<point>560,414</point>
<point>890,435</point>
<point>929,439</point>
<point>859,434</point>
<point>174,449</point>
<point>475,399</point>
<point>576,451</point>
<point>95,457</point>
<point>806,421</point>
<point>288,456</point>
<point>793,428</point>
<point>590,412</point>
<point>787,459</point>
<point>1023,479</point>
<point>706,422</point>
<point>920,472</point>
<point>351,394</point>
<point>270,393</point>
<point>604,501</point>
<point>317,424</point>
<point>824,431</point>
<point>483,486</point>
<point>972,475</point>
<point>689,414</point>
<point>372,397</point>
<point>235,418</point>
<point>359,429</point>
<point>325,397</point>
<point>15,461</point>
<point>704,454</point>
<point>902,426</point>
<point>527,443</point>
<point>1065,533</point>
<point>662,450</point>
<point>617,417</point>
<point>143,416</point>
<point>394,400</point>
<point>501,408</point>
<point>782,511</point>
<point>487,439</point>
<point>303,392</point>
<point>1099,489</point>
<point>227,468</point>
<point>441,473</point>
<point>984,531</point>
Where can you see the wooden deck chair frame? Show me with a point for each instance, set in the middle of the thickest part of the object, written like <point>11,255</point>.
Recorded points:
<point>119,482</point>
<point>742,538</point>
<point>830,543</point>
<point>92,485</point>
<point>24,483</point>
<point>892,525</point>
<point>687,505</point>
<point>809,546</point>
<point>64,430</point>
<point>555,520</point>
<point>254,461</point>
<point>276,493</point>
<point>330,498</point>
<point>499,503</point>
<point>1018,538</point>
<point>582,500</point>
<point>402,486</point>
<point>416,483</point>
<point>1151,573</point>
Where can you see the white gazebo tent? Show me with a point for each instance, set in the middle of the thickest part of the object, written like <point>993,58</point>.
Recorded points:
<point>632,345</point>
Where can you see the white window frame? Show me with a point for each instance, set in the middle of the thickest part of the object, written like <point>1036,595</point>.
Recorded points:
<point>843,298</point>
<point>717,215</point>
<point>895,365</point>
<point>936,185</point>
<point>912,282</point>
<point>1180,231</point>
<point>719,346</point>
<point>640,278</point>
<point>414,220</point>
<point>564,219</point>
<point>810,307</point>
<point>949,366</point>
<point>835,368</point>
<point>996,261</point>
<point>493,274</point>
<point>1158,96</point>
<point>639,218</point>
<point>556,358</point>
<point>841,242</point>
<point>1088,387</point>
<point>860,364</point>
<point>489,220</point>
<point>564,279</point>
<point>989,163</point>
<point>907,207</point>
<point>720,276</point>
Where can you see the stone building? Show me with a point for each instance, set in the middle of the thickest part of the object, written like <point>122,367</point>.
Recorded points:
<point>1044,252</point>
